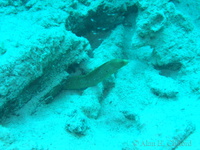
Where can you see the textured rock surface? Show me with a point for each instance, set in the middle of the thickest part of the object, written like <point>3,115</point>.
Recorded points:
<point>44,42</point>
<point>77,124</point>
<point>157,22</point>
<point>35,64</point>
<point>163,87</point>
<point>101,16</point>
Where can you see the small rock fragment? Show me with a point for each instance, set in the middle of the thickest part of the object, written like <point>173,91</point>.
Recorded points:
<point>163,86</point>
<point>77,124</point>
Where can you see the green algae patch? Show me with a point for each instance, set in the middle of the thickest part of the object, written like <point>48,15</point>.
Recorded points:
<point>95,76</point>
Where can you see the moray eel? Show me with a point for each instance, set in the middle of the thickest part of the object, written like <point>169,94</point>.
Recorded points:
<point>95,76</point>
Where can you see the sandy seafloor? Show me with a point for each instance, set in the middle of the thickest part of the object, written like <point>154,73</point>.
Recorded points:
<point>152,103</point>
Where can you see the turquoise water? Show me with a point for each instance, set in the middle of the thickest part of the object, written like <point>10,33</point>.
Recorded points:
<point>63,87</point>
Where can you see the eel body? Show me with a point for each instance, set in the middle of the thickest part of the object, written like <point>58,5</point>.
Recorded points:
<point>95,76</point>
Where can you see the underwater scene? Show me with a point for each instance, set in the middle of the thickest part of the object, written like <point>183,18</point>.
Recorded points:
<point>99,74</point>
